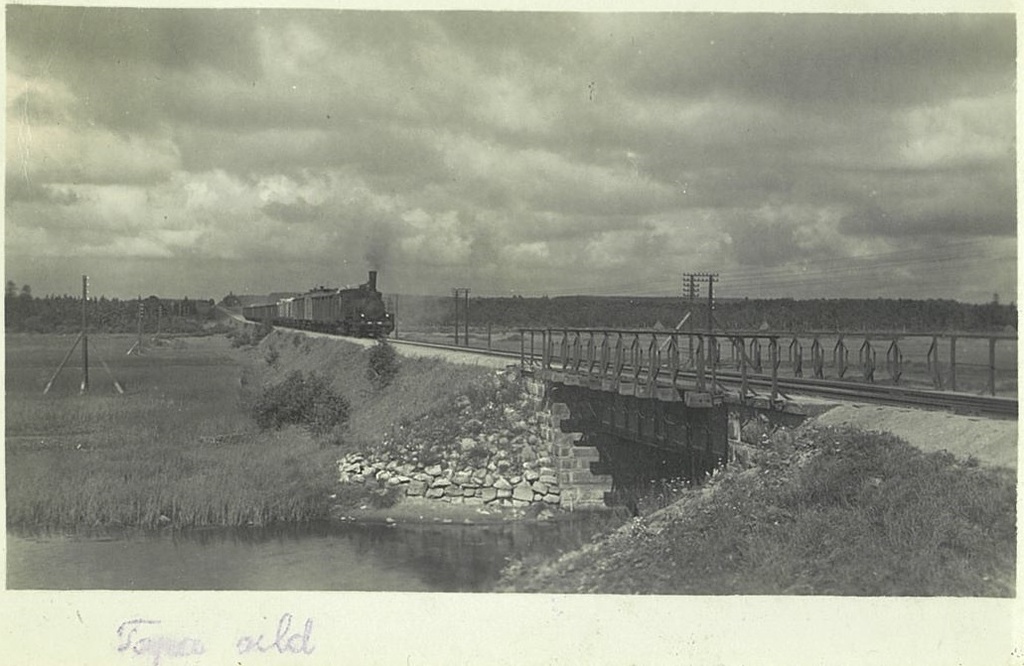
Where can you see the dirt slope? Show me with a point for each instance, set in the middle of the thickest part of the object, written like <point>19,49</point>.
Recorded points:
<point>991,441</point>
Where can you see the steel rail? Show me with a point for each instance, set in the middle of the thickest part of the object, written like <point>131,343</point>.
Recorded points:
<point>892,395</point>
<point>838,389</point>
<point>501,353</point>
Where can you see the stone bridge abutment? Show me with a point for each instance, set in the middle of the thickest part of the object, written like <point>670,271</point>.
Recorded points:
<point>607,444</point>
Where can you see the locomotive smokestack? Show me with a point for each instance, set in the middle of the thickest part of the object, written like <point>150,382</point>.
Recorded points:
<point>373,281</point>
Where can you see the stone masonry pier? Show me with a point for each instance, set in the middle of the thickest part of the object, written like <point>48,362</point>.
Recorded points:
<point>580,486</point>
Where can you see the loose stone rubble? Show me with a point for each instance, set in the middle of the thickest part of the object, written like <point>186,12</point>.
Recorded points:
<point>488,451</point>
<point>485,484</point>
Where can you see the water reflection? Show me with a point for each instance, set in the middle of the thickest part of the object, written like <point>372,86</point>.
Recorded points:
<point>320,556</point>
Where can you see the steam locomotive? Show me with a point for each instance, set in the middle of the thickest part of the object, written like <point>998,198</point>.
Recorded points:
<point>358,311</point>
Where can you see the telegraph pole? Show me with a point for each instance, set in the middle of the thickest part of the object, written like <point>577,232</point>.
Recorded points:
<point>458,291</point>
<point>83,337</point>
<point>455,293</point>
<point>137,347</point>
<point>711,301</point>
<point>85,334</point>
<point>394,315</point>
<point>690,285</point>
<point>139,341</point>
<point>691,289</point>
<point>465,315</point>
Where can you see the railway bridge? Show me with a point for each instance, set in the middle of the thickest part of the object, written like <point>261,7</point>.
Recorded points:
<point>665,404</point>
<point>630,406</point>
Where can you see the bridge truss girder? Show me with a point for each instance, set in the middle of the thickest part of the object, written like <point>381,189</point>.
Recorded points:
<point>645,438</point>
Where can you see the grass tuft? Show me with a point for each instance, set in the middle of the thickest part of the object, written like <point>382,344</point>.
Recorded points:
<point>847,513</point>
<point>176,449</point>
<point>382,365</point>
<point>301,399</point>
<point>181,447</point>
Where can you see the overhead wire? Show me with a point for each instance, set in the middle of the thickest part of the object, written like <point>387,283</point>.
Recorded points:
<point>853,270</point>
<point>865,269</point>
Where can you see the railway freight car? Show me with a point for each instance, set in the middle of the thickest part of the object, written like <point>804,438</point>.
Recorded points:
<point>355,311</point>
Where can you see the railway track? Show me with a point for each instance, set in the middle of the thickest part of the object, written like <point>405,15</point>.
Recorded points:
<point>759,386</point>
<point>496,353</point>
<point>789,389</point>
<point>900,396</point>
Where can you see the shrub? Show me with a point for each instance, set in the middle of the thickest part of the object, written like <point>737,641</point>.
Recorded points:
<point>306,400</point>
<point>383,365</point>
<point>238,338</point>
<point>262,331</point>
<point>249,336</point>
<point>328,410</point>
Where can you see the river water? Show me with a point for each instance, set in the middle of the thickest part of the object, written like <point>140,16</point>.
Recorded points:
<point>321,556</point>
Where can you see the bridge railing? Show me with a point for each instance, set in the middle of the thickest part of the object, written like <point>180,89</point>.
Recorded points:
<point>977,363</point>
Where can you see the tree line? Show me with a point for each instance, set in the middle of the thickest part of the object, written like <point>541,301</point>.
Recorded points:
<point>63,314</point>
<point>783,314</point>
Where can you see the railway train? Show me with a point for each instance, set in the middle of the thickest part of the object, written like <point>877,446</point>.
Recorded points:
<point>357,311</point>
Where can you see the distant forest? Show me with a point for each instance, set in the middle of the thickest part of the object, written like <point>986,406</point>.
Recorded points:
<point>63,314</point>
<point>747,314</point>
<point>52,314</point>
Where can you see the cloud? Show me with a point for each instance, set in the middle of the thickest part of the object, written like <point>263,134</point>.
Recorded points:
<point>494,176</point>
<point>832,60</point>
<point>49,140</point>
<point>504,149</point>
<point>59,154</point>
<point>956,221</point>
<point>436,241</point>
<point>300,212</point>
<point>172,38</point>
<point>18,188</point>
<point>529,253</point>
<point>765,242</point>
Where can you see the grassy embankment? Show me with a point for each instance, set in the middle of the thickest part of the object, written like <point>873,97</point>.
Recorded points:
<point>844,512</point>
<point>841,512</point>
<point>180,447</point>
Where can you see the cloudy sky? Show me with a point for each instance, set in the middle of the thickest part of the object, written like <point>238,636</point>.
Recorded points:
<point>197,152</point>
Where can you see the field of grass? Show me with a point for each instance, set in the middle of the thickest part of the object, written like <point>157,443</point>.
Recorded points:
<point>180,447</point>
<point>841,512</point>
<point>176,448</point>
<point>846,513</point>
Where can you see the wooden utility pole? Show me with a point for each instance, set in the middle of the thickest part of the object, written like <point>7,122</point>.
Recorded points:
<point>691,292</point>
<point>64,362</point>
<point>140,323</point>
<point>83,337</point>
<point>456,292</point>
<point>394,315</point>
<point>85,334</point>
<point>711,300</point>
<point>136,348</point>
<point>690,289</point>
